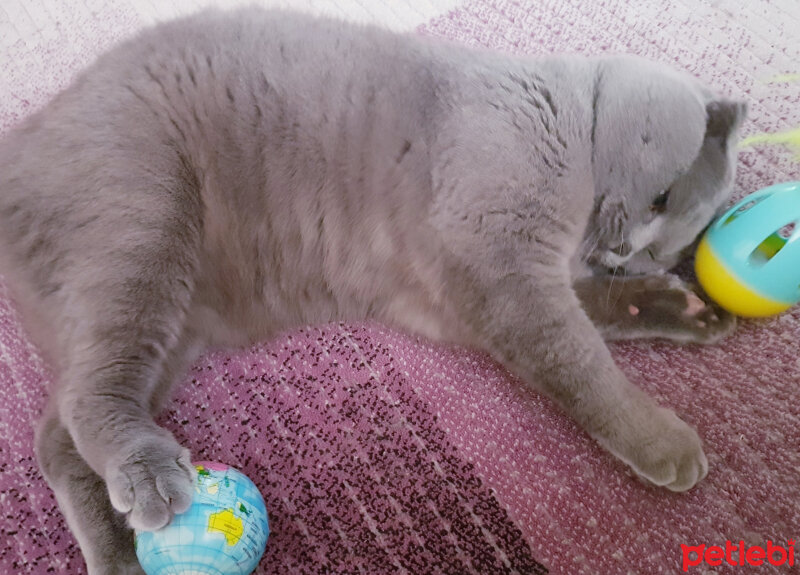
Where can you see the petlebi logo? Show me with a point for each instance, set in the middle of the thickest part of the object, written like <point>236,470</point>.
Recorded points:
<point>738,554</point>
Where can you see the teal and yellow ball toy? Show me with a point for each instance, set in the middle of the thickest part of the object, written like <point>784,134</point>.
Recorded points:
<point>749,259</point>
<point>224,531</point>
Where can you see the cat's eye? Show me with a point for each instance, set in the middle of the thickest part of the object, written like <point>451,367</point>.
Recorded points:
<point>659,205</point>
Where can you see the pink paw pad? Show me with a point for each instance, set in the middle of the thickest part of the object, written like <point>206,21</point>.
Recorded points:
<point>694,305</point>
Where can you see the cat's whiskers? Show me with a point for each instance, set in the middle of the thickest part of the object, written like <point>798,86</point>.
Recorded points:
<point>589,245</point>
<point>611,286</point>
<point>616,269</point>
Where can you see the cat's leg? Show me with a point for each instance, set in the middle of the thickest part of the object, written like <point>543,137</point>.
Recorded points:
<point>105,393</point>
<point>535,326</point>
<point>652,306</point>
<point>123,292</point>
<point>105,538</point>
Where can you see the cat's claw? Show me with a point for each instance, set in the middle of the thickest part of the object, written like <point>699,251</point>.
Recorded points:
<point>151,482</point>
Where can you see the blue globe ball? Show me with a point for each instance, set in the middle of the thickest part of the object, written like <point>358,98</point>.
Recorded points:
<point>224,532</point>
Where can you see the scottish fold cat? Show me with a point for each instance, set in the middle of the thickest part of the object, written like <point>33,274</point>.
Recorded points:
<point>223,177</point>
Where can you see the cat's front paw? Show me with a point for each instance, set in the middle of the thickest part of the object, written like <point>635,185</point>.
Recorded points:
<point>151,480</point>
<point>664,306</point>
<point>664,450</point>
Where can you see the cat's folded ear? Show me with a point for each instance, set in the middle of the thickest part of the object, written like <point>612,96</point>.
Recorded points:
<point>724,117</point>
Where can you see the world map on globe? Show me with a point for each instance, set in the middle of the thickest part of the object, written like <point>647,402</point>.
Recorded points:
<point>224,532</point>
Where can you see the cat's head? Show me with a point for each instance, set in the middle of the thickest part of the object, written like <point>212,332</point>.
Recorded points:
<point>664,151</point>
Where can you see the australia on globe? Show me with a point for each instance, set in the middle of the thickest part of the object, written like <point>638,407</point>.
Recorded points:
<point>224,532</point>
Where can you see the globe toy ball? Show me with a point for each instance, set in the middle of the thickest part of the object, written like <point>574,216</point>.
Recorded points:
<point>224,531</point>
<point>749,259</point>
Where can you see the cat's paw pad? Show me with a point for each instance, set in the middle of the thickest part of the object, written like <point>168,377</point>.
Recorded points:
<point>151,482</point>
<point>669,453</point>
<point>711,322</point>
<point>694,305</point>
<point>669,306</point>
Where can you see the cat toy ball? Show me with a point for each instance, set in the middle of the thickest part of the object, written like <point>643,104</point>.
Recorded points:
<point>224,531</point>
<point>749,259</point>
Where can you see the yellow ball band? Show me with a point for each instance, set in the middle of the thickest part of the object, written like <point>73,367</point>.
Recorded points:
<point>726,289</point>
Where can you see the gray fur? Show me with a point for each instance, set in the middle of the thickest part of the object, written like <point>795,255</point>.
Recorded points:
<point>227,176</point>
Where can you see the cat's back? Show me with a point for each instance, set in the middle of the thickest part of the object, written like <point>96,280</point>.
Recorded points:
<point>225,70</point>
<point>248,125</point>
<point>242,60</point>
<point>214,91</point>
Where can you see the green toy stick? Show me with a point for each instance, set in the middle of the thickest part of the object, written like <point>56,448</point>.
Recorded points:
<point>790,138</point>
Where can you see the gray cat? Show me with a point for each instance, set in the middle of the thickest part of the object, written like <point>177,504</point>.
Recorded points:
<point>224,177</point>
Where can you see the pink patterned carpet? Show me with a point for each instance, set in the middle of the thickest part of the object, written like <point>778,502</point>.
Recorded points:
<point>382,453</point>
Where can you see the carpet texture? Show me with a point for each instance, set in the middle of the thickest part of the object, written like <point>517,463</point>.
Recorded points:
<point>379,453</point>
